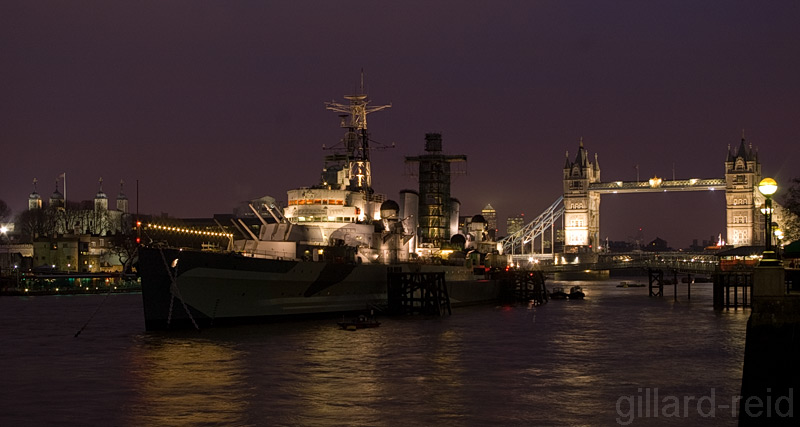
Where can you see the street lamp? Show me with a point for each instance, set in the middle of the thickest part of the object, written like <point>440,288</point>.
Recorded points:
<point>768,187</point>
<point>778,241</point>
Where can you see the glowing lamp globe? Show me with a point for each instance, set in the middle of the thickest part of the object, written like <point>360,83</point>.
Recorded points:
<point>767,186</point>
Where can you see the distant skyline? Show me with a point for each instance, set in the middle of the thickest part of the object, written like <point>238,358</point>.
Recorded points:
<point>208,104</point>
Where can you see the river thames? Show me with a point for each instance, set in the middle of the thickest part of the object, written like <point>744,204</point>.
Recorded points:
<point>618,357</point>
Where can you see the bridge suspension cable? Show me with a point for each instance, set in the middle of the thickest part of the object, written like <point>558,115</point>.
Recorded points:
<point>515,243</point>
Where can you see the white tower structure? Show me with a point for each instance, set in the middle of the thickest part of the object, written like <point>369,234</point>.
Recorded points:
<point>100,199</point>
<point>34,199</point>
<point>57,199</point>
<point>122,199</point>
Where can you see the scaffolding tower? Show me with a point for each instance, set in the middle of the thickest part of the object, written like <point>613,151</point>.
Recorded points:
<point>434,190</point>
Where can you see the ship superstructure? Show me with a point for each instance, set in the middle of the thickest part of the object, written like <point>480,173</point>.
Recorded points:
<point>341,211</point>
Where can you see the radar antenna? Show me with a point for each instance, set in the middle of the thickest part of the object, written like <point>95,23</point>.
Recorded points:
<point>356,139</point>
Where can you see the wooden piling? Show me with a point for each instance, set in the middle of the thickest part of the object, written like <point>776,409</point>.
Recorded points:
<point>727,283</point>
<point>675,284</point>
<point>423,293</point>
<point>523,286</point>
<point>656,276</point>
<point>689,286</point>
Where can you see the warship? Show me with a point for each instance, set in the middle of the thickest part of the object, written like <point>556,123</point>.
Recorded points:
<point>329,250</point>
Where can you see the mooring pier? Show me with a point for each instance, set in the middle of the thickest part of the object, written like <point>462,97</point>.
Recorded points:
<point>423,293</point>
<point>523,285</point>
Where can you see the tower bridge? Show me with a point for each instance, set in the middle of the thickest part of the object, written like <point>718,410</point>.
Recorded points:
<point>579,208</point>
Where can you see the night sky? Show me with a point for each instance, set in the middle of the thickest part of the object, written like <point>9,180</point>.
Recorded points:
<point>207,104</point>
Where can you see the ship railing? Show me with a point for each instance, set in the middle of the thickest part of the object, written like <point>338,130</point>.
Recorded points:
<point>283,255</point>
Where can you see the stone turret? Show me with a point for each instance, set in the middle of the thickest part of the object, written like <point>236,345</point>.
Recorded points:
<point>743,200</point>
<point>100,199</point>
<point>122,199</point>
<point>582,207</point>
<point>34,199</point>
<point>56,199</point>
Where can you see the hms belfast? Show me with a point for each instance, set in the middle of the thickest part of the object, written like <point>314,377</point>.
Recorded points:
<point>330,249</point>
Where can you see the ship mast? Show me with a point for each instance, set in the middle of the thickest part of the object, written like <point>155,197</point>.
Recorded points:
<point>356,140</point>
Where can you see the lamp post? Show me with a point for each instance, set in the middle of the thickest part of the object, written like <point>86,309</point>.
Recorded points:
<point>768,187</point>
<point>778,241</point>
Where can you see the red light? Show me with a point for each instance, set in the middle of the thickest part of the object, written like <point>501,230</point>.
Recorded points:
<point>138,240</point>
<point>138,223</point>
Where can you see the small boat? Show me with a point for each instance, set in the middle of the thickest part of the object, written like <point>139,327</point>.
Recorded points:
<point>558,293</point>
<point>576,292</point>
<point>626,284</point>
<point>359,322</point>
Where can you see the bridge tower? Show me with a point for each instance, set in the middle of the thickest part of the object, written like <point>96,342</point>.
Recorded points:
<point>581,206</point>
<point>743,200</point>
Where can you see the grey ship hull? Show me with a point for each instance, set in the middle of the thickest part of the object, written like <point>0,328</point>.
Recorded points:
<point>206,288</point>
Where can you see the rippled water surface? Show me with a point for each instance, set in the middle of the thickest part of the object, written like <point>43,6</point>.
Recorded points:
<point>592,362</point>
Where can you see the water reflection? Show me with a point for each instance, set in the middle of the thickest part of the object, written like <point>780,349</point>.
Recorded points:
<point>189,381</point>
<point>338,380</point>
<point>564,363</point>
<point>362,377</point>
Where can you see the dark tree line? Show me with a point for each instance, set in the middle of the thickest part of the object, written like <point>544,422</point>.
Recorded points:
<point>790,201</point>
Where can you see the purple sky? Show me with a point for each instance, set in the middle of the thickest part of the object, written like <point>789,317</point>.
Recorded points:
<point>210,103</point>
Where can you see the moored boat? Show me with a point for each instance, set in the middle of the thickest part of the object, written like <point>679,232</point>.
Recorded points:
<point>329,250</point>
<point>360,322</point>
<point>558,293</point>
<point>576,292</point>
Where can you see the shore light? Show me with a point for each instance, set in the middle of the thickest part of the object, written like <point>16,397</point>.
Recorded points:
<point>768,187</point>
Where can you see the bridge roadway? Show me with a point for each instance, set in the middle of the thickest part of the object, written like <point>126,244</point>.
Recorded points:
<point>658,185</point>
<point>681,262</point>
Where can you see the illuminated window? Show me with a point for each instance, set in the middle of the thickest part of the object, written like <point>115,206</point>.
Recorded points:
<point>576,223</point>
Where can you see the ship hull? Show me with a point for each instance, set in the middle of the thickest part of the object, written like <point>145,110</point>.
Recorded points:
<point>201,289</point>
